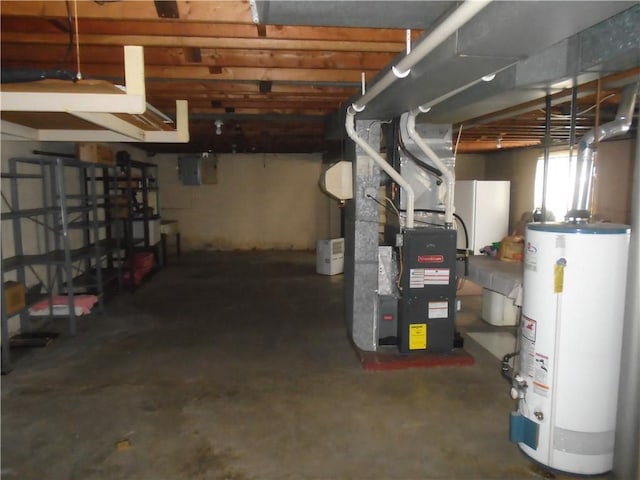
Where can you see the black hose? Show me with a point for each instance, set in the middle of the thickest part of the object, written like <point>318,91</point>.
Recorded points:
<point>23,75</point>
<point>458,217</point>
<point>429,168</point>
<point>464,228</point>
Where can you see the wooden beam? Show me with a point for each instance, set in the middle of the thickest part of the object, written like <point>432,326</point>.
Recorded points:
<point>203,104</point>
<point>222,11</point>
<point>125,26</point>
<point>265,111</point>
<point>235,73</point>
<point>221,96</point>
<point>207,42</point>
<point>189,55</point>
<point>213,87</point>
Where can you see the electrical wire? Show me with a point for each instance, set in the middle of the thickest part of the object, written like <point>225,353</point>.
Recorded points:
<point>395,209</point>
<point>70,29</point>
<point>455,151</point>
<point>400,215</point>
<point>77,33</point>
<point>457,217</point>
<point>430,169</point>
<point>587,110</point>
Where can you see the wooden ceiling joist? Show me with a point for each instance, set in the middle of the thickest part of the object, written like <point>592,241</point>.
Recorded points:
<point>14,53</point>
<point>207,42</point>
<point>220,11</point>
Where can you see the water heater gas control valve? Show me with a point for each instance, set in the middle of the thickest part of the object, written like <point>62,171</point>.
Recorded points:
<point>518,388</point>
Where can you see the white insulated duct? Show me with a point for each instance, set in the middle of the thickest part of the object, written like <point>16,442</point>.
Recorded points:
<point>580,211</point>
<point>382,163</point>
<point>448,175</point>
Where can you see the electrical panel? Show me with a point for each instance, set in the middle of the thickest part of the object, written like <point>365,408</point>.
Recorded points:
<point>426,317</point>
<point>198,169</point>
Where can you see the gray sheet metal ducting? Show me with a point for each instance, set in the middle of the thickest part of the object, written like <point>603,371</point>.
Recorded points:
<point>361,245</point>
<point>500,36</point>
<point>580,206</point>
<point>428,195</point>
<point>609,46</point>
<point>374,14</point>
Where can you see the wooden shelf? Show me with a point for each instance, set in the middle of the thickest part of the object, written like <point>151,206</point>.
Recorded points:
<point>90,110</point>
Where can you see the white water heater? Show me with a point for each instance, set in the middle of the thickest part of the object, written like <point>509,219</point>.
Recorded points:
<point>570,340</point>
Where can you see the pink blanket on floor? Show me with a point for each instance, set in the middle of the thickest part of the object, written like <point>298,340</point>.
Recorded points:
<point>85,302</point>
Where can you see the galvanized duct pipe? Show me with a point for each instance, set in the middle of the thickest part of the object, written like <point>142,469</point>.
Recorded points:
<point>444,30</point>
<point>447,174</point>
<point>579,210</point>
<point>382,163</point>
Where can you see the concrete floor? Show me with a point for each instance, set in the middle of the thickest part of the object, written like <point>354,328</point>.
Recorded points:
<point>237,366</point>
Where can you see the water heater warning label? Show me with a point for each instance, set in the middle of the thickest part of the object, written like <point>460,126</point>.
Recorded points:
<point>417,336</point>
<point>528,346</point>
<point>419,277</point>
<point>541,375</point>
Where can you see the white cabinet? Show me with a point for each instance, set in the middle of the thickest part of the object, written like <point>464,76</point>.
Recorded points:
<point>330,256</point>
<point>483,205</point>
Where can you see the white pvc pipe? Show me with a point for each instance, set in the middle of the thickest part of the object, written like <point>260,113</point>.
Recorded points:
<point>448,27</point>
<point>382,163</point>
<point>448,175</point>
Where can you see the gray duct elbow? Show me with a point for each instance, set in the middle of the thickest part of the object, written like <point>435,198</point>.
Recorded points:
<point>579,210</point>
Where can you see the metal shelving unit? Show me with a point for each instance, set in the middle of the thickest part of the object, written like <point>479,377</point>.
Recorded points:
<point>78,246</point>
<point>137,183</point>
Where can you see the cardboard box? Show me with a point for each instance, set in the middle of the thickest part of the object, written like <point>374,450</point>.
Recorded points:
<point>119,212</point>
<point>118,206</point>
<point>152,201</point>
<point>95,153</point>
<point>14,297</point>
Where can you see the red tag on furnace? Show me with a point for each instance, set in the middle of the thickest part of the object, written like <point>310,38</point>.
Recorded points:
<point>430,258</point>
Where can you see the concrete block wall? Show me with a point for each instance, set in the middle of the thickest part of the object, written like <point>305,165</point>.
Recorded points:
<point>260,201</point>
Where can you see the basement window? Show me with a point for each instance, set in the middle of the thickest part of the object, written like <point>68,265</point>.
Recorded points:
<point>559,185</point>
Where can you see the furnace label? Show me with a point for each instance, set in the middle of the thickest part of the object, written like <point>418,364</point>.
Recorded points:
<point>416,278</point>
<point>438,310</point>
<point>436,276</point>
<point>419,277</point>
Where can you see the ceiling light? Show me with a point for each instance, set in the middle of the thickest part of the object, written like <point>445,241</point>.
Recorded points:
<point>499,142</point>
<point>488,78</point>
<point>218,124</point>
